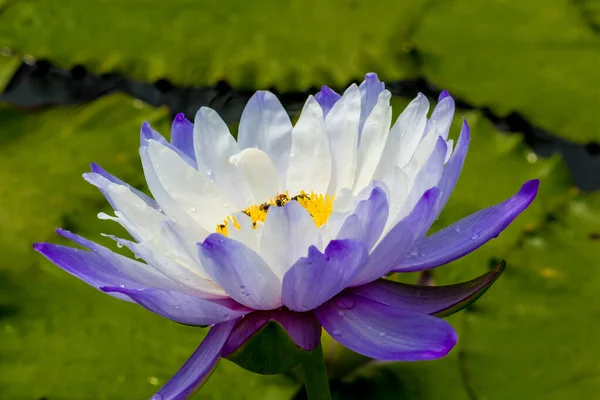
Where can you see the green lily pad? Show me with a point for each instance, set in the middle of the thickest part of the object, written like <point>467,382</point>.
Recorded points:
<point>291,45</point>
<point>537,57</point>
<point>8,66</point>
<point>59,338</point>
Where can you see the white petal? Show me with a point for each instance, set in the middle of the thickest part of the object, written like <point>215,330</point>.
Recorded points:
<point>247,234</point>
<point>141,220</point>
<point>182,191</point>
<point>214,145</point>
<point>266,125</point>
<point>373,140</point>
<point>310,159</point>
<point>342,131</point>
<point>261,174</point>
<point>450,144</point>
<point>288,233</point>
<point>409,129</point>
<point>426,145</point>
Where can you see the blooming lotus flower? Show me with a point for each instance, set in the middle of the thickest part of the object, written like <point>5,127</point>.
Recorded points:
<point>297,225</point>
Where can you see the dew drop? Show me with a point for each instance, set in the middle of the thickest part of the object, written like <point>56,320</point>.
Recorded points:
<point>193,209</point>
<point>157,397</point>
<point>341,313</point>
<point>457,229</point>
<point>121,285</point>
<point>137,256</point>
<point>475,236</point>
<point>120,245</point>
<point>176,307</point>
<point>414,252</point>
<point>226,204</point>
<point>242,287</point>
<point>337,332</point>
<point>382,334</point>
<point>345,303</point>
<point>221,241</point>
<point>369,327</point>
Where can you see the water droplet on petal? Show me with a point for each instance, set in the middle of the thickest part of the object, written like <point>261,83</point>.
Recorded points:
<point>121,285</point>
<point>176,307</point>
<point>193,209</point>
<point>341,313</point>
<point>382,334</point>
<point>120,245</point>
<point>475,236</point>
<point>457,229</point>
<point>345,303</point>
<point>337,332</point>
<point>414,252</point>
<point>242,287</point>
<point>157,397</point>
<point>226,204</point>
<point>221,241</point>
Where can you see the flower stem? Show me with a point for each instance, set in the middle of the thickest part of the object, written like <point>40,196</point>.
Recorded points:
<point>314,374</point>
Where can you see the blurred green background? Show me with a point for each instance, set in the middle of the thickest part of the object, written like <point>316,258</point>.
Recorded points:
<point>532,336</point>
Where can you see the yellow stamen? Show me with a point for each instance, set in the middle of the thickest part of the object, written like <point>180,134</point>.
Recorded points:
<point>319,207</point>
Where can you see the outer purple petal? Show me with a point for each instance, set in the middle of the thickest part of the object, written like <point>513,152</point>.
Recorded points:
<point>183,308</point>
<point>438,300</point>
<point>182,135</point>
<point>327,98</point>
<point>100,171</point>
<point>369,93</point>
<point>198,367</point>
<point>303,328</point>
<point>367,221</point>
<point>400,239</point>
<point>385,333</point>
<point>241,272</point>
<point>469,233</point>
<point>100,267</point>
<point>454,166</point>
<point>313,280</point>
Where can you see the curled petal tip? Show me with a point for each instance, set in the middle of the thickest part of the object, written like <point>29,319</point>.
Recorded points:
<point>180,117</point>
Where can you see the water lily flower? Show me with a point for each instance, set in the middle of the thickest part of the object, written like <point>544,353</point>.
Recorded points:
<point>295,225</point>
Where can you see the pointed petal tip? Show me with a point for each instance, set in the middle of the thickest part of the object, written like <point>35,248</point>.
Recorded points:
<point>444,95</point>
<point>530,187</point>
<point>180,117</point>
<point>372,76</point>
<point>40,247</point>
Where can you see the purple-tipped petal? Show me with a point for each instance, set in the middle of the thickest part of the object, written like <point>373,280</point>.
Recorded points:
<point>100,266</point>
<point>400,239</point>
<point>183,308</point>
<point>313,280</point>
<point>241,272</point>
<point>370,89</point>
<point>468,234</point>
<point>443,114</point>
<point>147,134</point>
<point>367,221</point>
<point>453,167</point>
<point>198,367</point>
<point>326,98</point>
<point>443,95</point>
<point>102,172</point>
<point>182,135</point>
<point>303,328</point>
<point>435,300</point>
<point>383,332</point>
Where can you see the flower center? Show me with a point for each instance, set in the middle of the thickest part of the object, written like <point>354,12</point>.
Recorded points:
<point>319,207</point>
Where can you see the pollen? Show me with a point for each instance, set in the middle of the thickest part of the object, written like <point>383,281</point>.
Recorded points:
<point>319,206</point>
